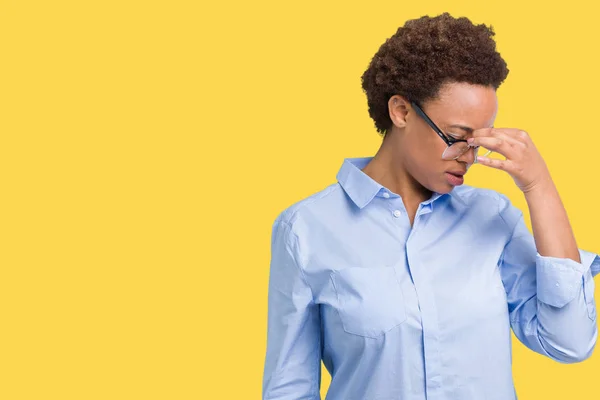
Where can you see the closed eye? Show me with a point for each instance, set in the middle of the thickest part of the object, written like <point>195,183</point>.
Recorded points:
<point>465,130</point>
<point>455,136</point>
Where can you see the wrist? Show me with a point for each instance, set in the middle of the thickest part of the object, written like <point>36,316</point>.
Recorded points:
<point>544,184</point>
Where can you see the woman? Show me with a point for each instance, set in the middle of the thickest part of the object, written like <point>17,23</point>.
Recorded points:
<point>404,281</point>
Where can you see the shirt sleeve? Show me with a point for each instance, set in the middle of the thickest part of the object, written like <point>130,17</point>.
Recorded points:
<point>595,269</point>
<point>292,367</point>
<point>550,300</point>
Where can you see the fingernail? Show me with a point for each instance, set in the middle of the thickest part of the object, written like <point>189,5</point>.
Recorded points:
<point>470,140</point>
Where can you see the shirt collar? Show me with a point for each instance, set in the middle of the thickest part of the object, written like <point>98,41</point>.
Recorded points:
<point>360,187</point>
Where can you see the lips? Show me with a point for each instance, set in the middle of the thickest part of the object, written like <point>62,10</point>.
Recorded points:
<point>455,178</point>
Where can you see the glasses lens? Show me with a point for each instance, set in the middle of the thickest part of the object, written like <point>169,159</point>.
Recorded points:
<point>456,150</point>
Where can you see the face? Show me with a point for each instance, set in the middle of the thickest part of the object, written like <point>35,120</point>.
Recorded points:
<point>459,109</point>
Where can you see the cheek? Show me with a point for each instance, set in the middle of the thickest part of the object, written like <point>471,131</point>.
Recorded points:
<point>424,162</point>
<point>425,152</point>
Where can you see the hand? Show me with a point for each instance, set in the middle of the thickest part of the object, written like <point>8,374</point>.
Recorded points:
<point>523,161</point>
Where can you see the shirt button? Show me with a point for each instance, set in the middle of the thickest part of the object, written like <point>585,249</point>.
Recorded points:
<point>397,213</point>
<point>386,195</point>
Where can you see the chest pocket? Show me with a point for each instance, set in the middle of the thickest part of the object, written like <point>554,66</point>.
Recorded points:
<point>370,300</point>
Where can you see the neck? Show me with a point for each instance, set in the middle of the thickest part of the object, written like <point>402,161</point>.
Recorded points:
<point>390,172</point>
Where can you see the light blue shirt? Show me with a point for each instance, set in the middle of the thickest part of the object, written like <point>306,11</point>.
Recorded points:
<point>417,313</point>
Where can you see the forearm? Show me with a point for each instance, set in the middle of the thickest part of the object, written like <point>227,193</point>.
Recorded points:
<point>551,227</point>
<point>550,299</point>
<point>565,334</point>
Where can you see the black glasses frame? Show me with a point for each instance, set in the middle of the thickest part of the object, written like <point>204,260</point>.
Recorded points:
<point>448,140</point>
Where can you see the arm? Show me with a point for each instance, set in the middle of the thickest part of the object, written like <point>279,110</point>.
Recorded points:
<point>548,280</point>
<point>292,367</point>
<point>551,227</point>
<point>550,299</point>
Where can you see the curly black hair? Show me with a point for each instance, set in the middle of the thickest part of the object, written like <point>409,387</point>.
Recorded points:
<point>424,54</point>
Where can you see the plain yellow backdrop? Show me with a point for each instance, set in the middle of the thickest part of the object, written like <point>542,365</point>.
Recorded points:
<point>147,147</point>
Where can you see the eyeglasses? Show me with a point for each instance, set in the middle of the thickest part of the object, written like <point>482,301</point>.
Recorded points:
<point>456,147</point>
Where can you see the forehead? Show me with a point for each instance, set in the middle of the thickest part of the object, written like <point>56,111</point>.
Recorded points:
<point>465,104</point>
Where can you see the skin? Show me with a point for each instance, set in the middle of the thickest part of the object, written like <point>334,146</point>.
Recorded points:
<point>409,160</point>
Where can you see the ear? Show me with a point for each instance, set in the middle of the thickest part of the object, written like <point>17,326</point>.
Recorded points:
<point>398,107</point>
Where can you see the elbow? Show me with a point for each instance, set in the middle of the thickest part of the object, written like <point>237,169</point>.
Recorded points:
<point>576,351</point>
<point>576,356</point>
<point>586,349</point>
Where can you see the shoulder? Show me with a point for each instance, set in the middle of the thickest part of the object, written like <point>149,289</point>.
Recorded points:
<point>314,204</point>
<point>490,199</point>
<point>304,216</point>
<point>471,194</point>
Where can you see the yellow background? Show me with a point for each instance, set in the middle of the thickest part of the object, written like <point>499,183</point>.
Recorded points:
<point>147,146</point>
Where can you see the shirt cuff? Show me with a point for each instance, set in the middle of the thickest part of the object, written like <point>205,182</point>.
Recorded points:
<point>560,279</point>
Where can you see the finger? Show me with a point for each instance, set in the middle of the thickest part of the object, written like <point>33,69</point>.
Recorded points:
<point>493,163</point>
<point>517,134</point>
<point>500,144</point>
<point>522,136</point>
<point>483,132</point>
<point>500,137</point>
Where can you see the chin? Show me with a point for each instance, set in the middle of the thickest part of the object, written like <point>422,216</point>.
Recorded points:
<point>444,189</point>
<point>441,187</point>
<point>438,187</point>
<point>437,183</point>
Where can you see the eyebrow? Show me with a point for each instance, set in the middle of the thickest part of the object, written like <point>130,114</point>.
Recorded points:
<point>462,127</point>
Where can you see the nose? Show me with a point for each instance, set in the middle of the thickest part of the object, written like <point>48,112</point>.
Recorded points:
<point>468,155</point>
